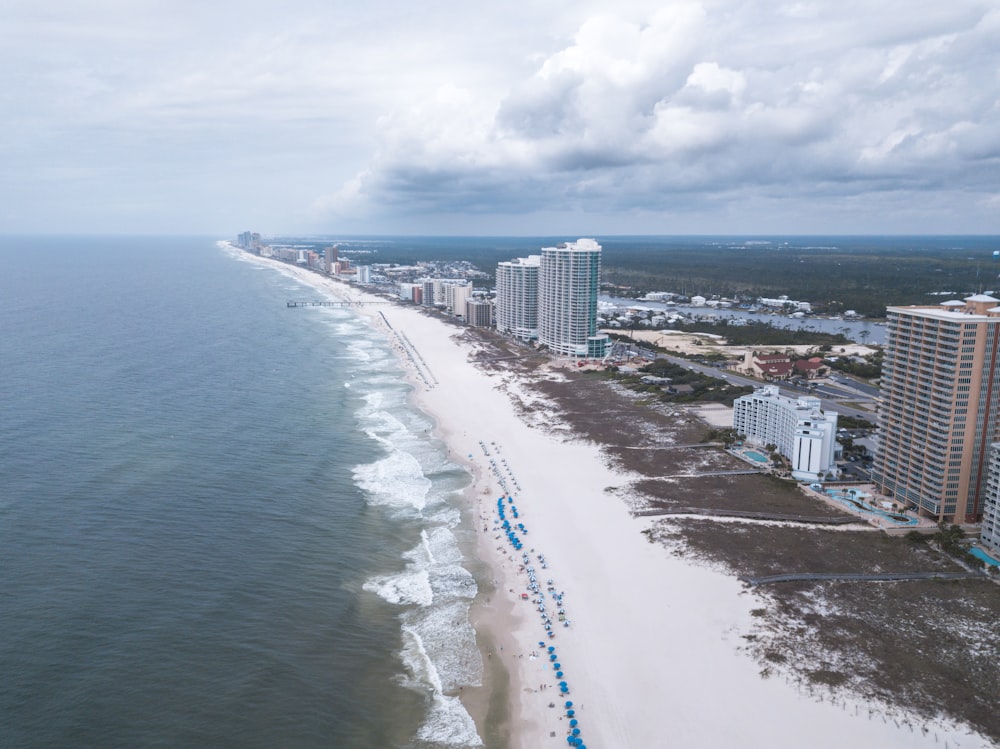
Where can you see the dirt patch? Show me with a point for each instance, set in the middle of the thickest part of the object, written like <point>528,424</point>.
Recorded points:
<point>759,550</point>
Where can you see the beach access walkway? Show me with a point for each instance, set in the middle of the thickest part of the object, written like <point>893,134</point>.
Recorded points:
<point>750,515</point>
<point>853,576</point>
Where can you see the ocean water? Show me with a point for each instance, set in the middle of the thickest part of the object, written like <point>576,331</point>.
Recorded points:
<point>221,523</point>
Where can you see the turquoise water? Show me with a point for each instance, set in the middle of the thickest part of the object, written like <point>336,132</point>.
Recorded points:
<point>980,554</point>
<point>754,455</point>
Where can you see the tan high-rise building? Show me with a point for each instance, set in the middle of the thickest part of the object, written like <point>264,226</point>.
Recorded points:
<point>940,402</point>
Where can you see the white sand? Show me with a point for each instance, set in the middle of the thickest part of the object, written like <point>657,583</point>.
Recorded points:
<point>715,414</point>
<point>654,655</point>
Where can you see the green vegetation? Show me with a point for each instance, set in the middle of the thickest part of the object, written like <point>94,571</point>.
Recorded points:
<point>842,274</point>
<point>703,389</point>
<point>870,369</point>
<point>727,436</point>
<point>950,538</point>
<point>760,333</point>
<point>845,421</point>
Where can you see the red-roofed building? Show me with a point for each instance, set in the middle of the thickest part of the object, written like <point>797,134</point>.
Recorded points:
<point>812,367</point>
<point>767,366</point>
<point>778,366</point>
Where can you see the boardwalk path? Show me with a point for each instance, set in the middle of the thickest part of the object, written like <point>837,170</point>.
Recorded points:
<point>812,519</point>
<point>852,576</point>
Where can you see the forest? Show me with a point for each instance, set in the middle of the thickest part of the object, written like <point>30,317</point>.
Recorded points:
<point>834,274</point>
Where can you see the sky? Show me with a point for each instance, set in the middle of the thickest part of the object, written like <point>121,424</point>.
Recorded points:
<point>576,117</point>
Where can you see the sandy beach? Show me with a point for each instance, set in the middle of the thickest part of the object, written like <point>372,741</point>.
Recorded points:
<point>654,655</point>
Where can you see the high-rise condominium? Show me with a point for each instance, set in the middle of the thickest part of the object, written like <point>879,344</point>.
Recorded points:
<point>568,283</point>
<point>940,400</point>
<point>517,297</point>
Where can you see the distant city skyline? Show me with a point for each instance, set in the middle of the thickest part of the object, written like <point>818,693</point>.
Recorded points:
<point>565,118</point>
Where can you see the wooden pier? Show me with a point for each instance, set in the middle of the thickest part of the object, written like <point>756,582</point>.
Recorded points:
<point>333,304</point>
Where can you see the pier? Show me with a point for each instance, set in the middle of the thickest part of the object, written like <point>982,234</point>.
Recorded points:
<point>334,304</point>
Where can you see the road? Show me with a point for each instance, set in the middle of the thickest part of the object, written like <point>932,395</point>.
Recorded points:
<point>834,395</point>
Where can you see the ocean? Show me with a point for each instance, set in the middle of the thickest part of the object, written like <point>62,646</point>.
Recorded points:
<point>221,522</point>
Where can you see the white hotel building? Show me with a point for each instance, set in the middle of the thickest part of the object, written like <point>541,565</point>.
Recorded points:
<point>517,297</point>
<point>552,297</point>
<point>991,501</point>
<point>568,284</point>
<point>798,427</point>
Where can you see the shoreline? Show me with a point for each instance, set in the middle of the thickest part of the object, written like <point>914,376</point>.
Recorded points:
<point>494,705</point>
<point>655,648</point>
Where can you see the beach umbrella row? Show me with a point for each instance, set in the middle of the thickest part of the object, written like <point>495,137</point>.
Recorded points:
<point>514,531</point>
<point>498,474</point>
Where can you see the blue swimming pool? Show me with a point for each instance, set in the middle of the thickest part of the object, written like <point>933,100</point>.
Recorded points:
<point>754,455</point>
<point>980,554</point>
<point>853,500</point>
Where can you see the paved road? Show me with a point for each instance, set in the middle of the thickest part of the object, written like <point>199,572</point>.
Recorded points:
<point>831,395</point>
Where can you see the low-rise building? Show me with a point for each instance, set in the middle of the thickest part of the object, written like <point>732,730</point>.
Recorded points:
<point>798,428</point>
<point>767,366</point>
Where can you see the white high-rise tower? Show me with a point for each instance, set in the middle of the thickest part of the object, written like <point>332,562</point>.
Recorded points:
<point>517,297</point>
<point>568,283</point>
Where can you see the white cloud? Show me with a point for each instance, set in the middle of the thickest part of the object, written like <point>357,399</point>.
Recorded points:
<point>637,114</point>
<point>814,101</point>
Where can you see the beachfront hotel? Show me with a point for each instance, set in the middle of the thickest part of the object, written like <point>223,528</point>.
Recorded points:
<point>990,535</point>
<point>552,298</point>
<point>568,284</point>
<point>517,297</point>
<point>940,399</point>
<point>799,429</point>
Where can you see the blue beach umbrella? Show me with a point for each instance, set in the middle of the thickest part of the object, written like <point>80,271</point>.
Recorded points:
<point>552,648</point>
<point>576,731</point>
<point>574,723</point>
<point>569,704</point>
<point>570,713</point>
<point>559,674</point>
<point>557,666</point>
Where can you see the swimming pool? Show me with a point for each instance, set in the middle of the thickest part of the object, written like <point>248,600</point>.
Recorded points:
<point>754,455</point>
<point>980,554</point>
<point>853,500</point>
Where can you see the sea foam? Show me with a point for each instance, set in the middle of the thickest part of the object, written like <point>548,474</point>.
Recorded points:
<point>415,481</point>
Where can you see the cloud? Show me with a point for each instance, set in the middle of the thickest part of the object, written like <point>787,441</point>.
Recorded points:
<point>637,115</point>
<point>814,101</point>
